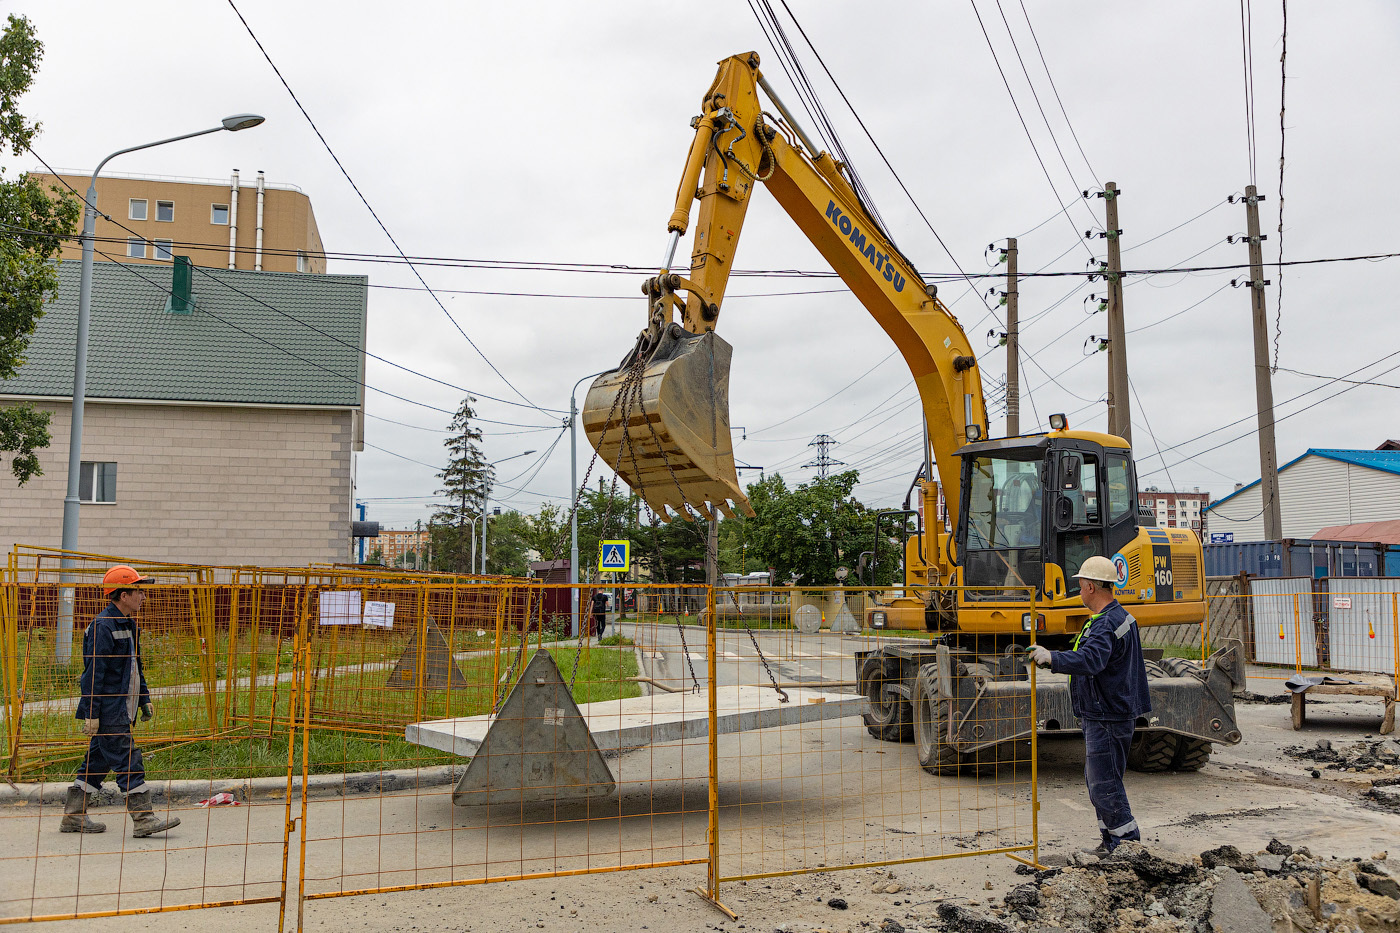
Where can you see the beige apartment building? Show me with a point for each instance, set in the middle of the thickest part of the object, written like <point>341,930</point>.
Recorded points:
<point>249,224</point>
<point>395,546</point>
<point>222,433</point>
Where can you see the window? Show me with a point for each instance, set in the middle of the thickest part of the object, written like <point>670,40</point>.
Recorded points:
<point>303,261</point>
<point>218,214</point>
<point>165,211</point>
<point>135,249</point>
<point>137,209</point>
<point>97,482</point>
<point>1120,498</point>
<point>163,249</point>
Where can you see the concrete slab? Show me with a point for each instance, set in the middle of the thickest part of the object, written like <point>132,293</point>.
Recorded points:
<point>672,717</point>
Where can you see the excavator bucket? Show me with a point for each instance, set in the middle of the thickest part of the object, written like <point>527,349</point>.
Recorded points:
<point>661,422</point>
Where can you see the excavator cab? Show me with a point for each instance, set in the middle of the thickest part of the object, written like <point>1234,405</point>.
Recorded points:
<point>1058,499</point>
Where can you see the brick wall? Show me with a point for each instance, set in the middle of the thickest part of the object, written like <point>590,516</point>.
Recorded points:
<point>213,485</point>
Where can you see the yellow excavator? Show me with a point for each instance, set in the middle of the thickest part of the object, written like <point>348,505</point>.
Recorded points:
<point>1025,511</point>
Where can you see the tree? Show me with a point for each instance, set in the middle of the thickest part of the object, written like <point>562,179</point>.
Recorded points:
<point>809,530</point>
<point>34,223</point>
<point>507,544</point>
<point>465,483</point>
<point>547,532</point>
<point>375,556</point>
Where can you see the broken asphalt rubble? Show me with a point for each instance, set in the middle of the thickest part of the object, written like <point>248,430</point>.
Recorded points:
<point>1221,891</point>
<point>1379,758</point>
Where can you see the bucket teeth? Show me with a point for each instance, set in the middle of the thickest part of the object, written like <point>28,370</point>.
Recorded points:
<point>665,429</point>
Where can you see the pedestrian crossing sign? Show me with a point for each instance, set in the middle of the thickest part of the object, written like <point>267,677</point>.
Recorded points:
<point>615,556</point>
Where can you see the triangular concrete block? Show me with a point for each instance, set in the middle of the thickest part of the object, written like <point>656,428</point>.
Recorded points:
<point>440,671</point>
<point>845,621</point>
<point>538,747</point>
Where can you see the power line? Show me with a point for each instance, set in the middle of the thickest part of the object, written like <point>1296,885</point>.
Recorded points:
<point>220,281</point>
<point>372,213</point>
<point>1020,117</point>
<point>1056,90</point>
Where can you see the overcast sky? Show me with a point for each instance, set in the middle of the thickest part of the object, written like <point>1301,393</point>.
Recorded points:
<point>556,132</point>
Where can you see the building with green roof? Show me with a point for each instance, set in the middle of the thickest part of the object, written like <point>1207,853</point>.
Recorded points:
<point>221,421</point>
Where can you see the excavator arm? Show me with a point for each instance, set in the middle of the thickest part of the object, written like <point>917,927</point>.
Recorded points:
<point>661,420</point>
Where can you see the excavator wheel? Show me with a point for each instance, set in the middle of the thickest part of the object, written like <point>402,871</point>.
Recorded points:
<point>936,756</point>
<point>931,726</point>
<point>1180,667</point>
<point>891,717</point>
<point>1155,752</point>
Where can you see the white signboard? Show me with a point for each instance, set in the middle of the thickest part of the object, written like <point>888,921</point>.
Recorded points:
<point>1341,602</point>
<point>379,615</point>
<point>340,607</point>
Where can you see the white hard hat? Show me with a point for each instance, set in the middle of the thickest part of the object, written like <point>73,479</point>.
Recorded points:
<point>1098,569</point>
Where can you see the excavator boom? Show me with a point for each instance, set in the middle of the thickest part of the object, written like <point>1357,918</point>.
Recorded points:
<point>661,419</point>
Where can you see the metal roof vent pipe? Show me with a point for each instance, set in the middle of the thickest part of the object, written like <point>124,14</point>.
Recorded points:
<point>181,299</point>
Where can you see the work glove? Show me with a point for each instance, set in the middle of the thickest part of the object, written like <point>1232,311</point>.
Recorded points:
<point>90,726</point>
<point>1040,656</point>
<point>147,711</point>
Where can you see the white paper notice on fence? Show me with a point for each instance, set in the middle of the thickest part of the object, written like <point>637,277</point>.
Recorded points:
<point>379,615</point>
<point>340,607</point>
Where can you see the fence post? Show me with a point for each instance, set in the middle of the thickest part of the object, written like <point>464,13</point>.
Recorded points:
<point>1035,744</point>
<point>305,764</point>
<point>710,663</point>
<point>1395,639</point>
<point>288,823</point>
<point>1298,632</point>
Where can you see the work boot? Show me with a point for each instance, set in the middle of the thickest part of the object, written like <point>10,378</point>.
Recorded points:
<point>75,819</point>
<point>143,821</point>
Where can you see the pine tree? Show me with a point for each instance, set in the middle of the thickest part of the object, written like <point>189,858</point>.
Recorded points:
<point>465,483</point>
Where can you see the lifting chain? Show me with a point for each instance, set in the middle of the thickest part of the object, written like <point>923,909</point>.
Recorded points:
<point>782,694</point>
<point>685,649</point>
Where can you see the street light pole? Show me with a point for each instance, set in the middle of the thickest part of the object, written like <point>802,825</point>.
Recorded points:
<point>63,646</point>
<point>573,512</point>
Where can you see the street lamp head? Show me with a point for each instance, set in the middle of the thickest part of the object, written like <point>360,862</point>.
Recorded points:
<point>241,121</point>
<point>527,453</point>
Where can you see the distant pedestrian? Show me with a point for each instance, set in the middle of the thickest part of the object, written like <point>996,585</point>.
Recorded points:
<point>113,689</point>
<point>1107,692</point>
<point>600,612</point>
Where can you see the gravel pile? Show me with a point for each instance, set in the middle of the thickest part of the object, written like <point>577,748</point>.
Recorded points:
<point>1221,891</point>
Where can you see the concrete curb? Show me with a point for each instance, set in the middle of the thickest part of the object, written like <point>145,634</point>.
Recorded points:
<point>248,790</point>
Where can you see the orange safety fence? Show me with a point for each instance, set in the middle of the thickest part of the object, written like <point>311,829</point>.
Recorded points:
<point>377,732</point>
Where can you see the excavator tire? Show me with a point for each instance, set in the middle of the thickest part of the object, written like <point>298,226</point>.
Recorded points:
<point>1180,667</point>
<point>891,717</point>
<point>1155,752</point>
<point>931,725</point>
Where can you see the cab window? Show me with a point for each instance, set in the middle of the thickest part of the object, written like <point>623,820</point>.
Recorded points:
<point>1120,492</point>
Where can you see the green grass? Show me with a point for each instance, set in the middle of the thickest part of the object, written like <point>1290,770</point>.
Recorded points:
<point>357,720</point>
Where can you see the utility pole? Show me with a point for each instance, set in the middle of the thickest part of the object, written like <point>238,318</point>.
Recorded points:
<point>1263,382</point>
<point>712,553</point>
<point>1120,419</point>
<point>1013,351</point>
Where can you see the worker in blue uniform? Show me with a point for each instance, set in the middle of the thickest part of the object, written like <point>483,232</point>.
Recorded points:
<point>1108,693</point>
<point>113,688</point>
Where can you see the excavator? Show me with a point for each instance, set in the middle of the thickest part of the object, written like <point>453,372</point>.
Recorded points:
<point>1024,512</point>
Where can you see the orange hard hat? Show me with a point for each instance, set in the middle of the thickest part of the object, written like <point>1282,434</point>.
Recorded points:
<point>121,577</point>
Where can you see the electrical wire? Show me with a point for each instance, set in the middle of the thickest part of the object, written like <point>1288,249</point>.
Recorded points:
<point>1069,123</point>
<point>372,212</point>
<point>1021,117</point>
<point>207,273</point>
